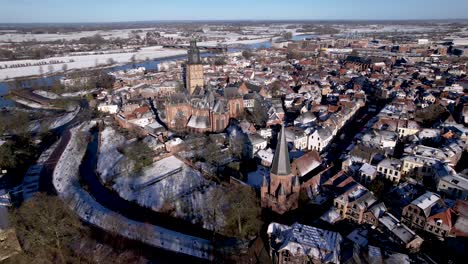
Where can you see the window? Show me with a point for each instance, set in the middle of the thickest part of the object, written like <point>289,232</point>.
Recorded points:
<point>396,173</point>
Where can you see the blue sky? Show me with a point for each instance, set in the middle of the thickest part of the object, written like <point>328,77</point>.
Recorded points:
<point>25,11</point>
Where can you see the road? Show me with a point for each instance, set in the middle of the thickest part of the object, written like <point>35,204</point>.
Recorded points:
<point>346,135</point>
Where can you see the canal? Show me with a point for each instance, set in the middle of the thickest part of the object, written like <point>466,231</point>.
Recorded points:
<point>111,199</point>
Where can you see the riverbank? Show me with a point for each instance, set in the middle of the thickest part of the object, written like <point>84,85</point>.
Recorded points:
<point>66,183</point>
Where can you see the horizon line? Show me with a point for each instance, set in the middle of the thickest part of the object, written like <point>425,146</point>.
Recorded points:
<point>246,20</point>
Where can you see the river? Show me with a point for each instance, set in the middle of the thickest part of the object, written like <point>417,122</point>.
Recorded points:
<point>149,65</point>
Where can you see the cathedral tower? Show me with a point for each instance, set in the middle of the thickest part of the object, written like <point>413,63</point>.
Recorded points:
<point>194,76</point>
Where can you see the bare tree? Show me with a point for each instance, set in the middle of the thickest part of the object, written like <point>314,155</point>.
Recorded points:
<point>237,209</point>
<point>46,228</point>
<point>213,212</point>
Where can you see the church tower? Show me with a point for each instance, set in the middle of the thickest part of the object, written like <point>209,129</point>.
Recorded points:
<point>194,76</point>
<point>282,193</point>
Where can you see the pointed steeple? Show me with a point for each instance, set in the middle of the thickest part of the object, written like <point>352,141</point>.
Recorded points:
<point>281,191</point>
<point>296,181</point>
<point>281,164</point>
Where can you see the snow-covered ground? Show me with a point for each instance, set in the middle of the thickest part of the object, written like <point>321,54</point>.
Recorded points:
<point>175,185</point>
<point>31,178</point>
<point>167,182</point>
<point>109,156</point>
<point>388,28</point>
<point>64,119</point>
<point>234,41</point>
<point>82,62</point>
<point>32,104</point>
<point>46,94</point>
<point>66,183</point>
<point>107,34</point>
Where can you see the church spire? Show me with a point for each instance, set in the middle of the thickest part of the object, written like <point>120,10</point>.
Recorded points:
<point>281,164</point>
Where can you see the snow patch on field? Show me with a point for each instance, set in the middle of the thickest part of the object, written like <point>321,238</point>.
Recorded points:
<point>109,156</point>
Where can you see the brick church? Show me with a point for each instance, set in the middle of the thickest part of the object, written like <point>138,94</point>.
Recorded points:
<point>281,194</point>
<point>199,109</point>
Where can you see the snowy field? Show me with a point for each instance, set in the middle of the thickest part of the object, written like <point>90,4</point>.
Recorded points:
<point>83,62</point>
<point>389,28</point>
<point>107,34</point>
<point>66,183</point>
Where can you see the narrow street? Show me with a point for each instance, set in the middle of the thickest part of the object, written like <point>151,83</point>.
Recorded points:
<point>345,136</point>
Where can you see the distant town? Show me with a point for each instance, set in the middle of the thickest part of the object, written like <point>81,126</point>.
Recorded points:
<point>234,142</point>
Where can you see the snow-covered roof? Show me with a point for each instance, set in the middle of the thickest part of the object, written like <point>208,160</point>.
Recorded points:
<point>401,231</point>
<point>301,239</point>
<point>367,169</point>
<point>331,216</point>
<point>266,155</point>
<point>201,122</point>
<point>426,200</point>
